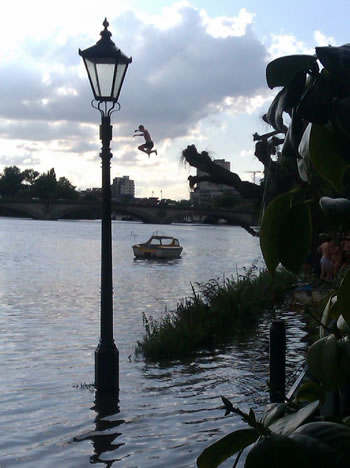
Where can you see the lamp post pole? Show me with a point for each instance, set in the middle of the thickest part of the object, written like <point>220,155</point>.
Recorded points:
<point>106,354</point>
<point>106,66</point>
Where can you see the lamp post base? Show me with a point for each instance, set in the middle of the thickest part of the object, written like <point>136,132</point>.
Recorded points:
<point>107,368</point>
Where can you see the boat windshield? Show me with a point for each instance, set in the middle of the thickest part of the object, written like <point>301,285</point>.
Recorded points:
<point>163,241</point>
<point>155,241</point>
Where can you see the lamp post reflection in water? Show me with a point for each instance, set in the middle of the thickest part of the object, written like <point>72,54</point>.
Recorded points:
<point>104,436</point>
<point>106,66</point>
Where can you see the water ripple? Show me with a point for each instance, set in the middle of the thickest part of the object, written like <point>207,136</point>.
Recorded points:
<point>49,321</point>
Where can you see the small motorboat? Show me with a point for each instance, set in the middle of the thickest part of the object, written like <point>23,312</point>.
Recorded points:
<point>158,246</point>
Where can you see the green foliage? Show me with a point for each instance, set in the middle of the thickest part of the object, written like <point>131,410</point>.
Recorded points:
<point>287,424</point>
<point>221,310</point>
<point>295,241</point>
<point>337,211</point>
<point>326,444</point>
<point>317,140</point>
<point>343,298</point>
<point>327,155</point>
<point>270,230</point>
<point>66,190</point>
<point>309,392</point>
<point>46,185</point>
<point>316,103</point>
<point>317,143</point>
<point>11,181</point>
<point>287,436</point>
<point>293,137</point>
<point>336,60</point>
<point>341,110</point>
<point>276,451</point>
<point>285,234</point>
<point>30,175</point>
<point>323,357</point>
<point>224,448</point>
<point>280,72</point>
<point>29,183</point>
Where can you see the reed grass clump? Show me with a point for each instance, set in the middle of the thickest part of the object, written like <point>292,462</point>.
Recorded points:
<point>215,313</point>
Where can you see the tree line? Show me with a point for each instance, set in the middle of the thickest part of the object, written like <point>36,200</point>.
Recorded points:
<point>28,184</point>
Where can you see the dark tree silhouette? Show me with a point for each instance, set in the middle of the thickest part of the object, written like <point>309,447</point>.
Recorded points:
<point>278,177</point>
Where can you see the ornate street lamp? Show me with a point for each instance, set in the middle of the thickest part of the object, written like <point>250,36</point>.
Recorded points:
<point>106,66</point>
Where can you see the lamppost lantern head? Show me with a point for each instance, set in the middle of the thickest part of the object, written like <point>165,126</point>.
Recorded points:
<point>106,66</point>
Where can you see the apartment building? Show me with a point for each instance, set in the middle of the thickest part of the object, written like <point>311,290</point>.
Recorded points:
<point>123,188</point>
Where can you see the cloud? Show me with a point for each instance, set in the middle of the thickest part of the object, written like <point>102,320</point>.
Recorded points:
<point>182,75</point>
<point>246,153</point>
<point>287,44</point>
<point>128,157</point>
<point>179,75</point>
<point>323,40</point>
<point>19,160</point>
<point>40,130</point>
<point>223,26</point>
<point>188,69</point>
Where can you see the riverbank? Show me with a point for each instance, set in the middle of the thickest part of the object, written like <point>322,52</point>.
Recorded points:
<point>214,314</point>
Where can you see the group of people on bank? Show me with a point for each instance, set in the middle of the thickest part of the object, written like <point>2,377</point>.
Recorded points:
<point>335,255</point>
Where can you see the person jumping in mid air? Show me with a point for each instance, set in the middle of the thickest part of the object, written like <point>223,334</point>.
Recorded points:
<point>148,145</point>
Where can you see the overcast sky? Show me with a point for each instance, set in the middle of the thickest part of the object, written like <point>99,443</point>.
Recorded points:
<point>197,77</point>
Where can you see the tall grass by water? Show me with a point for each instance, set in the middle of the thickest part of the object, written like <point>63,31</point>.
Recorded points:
<point>217,312</point>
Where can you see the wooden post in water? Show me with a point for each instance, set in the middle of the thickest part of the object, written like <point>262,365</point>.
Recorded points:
<point>277,353</point>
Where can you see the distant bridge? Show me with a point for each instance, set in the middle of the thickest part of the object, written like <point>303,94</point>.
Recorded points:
<point>153,214</point>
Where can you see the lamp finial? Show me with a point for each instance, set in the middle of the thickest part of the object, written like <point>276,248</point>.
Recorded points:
<point>105,34</point>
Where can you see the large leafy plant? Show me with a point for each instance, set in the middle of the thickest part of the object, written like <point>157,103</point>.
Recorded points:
<point>312,110</point>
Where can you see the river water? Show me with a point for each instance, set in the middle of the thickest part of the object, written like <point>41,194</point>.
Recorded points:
<point>49,320</point>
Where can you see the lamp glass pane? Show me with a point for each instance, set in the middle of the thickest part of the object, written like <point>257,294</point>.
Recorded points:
<point>92,75</point>
<point>105,74</point>
<point>121,69</point>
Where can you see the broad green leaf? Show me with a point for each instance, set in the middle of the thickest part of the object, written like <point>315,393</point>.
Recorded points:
<point>270,229</point>
<point>304,145</point>
<point>336,60</point>
<point>341,113</point>
<point>344,358</point>
<point>219,451</point>
<point>281,71</point>
<point>323,359</point>
<point>295,237</point>
<point>304,152</point>
<point>274,115</point>
<point>343,302</point>
<point>293,137</point>
<point>343,326</point>
<point>276,451</point>
<point>330,307</point>
<point>316,104</point>
<point>291,422</point>
<point>344,345</point>
<point>272,412</point>
<point>325,443</point>
<point>326,155</point>
<point>336,210</point>
<point>285,101</point>
<point>310,391</point>
<point>346,421</point>
<point>302,170</point>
